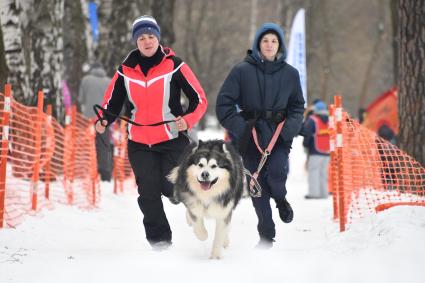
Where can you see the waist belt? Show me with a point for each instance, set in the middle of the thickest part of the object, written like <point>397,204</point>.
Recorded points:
<point>275,116</point>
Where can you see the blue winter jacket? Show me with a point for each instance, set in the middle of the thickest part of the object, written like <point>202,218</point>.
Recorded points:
<point>258,85</point>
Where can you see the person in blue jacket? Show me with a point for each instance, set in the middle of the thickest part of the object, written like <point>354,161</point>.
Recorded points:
<point>259,93</point>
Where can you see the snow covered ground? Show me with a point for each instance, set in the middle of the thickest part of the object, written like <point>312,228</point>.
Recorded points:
<point>108,244</point>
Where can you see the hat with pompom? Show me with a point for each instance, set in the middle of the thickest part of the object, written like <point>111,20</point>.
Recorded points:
<point>145,25</point>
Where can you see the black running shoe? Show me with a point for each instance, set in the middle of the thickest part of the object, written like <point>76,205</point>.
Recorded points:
<point>161,245</point>
<point>285,210</point>
<point>265,243</point>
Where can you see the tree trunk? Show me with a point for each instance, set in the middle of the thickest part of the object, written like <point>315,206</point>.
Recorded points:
<point>34,51</point>
<point>253,20</point>
<point>324,94</point>
<point>11,25</point>
<point>115,33</point>
<point>3,65</point>
<point>373,57</point>
<point>394,22</point>
<point>163,12</point>
<point>75,48</point>
<point>45,45</point>
<point>115,29</point>
<point>411,96</point>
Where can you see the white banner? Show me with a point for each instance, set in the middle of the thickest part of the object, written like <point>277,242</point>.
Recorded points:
<point>296,51</point>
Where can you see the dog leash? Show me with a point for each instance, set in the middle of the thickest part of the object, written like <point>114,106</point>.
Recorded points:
<point>264,155</point>
<point>97,107</point>
<point>255,190</point>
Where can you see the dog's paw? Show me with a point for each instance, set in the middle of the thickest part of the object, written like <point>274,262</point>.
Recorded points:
<point>189,219</point>
<point>226,242</point>
<point>215,255</point>
<point>174,200</point>
<point>201,234</point>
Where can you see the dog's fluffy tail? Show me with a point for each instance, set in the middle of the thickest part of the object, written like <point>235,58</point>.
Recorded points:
<point>172,177</point>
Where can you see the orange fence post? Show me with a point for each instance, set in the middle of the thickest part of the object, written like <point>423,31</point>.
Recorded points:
<point>93,162</point>
<point>4,123</point>
<point>119,135</point>
<point>37,153</point>
<point>332,184</point>
<point>339,154</point>
<point>122,154</point>
<point>117,141</point>
<point>67,159</point>
<point>47,166</point>
<point>73,152</point>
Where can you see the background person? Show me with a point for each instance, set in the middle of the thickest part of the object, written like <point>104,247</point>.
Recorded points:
<point>316,142</point>
<point>92,88</point>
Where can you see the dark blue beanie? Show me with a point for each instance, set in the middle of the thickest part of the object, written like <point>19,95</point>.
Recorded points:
<point>145,25</point>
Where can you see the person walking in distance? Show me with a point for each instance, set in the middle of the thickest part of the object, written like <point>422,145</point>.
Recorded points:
<point>92,87</point>
<point>152,78</point>
<point>316,141</point>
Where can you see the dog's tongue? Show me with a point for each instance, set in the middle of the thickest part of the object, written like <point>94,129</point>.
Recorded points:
<point>205,185</point>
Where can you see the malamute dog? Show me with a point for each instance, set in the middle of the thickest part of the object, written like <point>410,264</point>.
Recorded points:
<point>210,182</point>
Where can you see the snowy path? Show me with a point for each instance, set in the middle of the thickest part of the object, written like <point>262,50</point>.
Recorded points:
<point>107,245</point>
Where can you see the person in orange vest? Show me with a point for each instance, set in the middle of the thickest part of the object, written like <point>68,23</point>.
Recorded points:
<point>316,142</point>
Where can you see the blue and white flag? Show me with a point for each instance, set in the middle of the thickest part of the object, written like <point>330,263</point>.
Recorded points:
<point>296,51</point>
<point>93,20</point>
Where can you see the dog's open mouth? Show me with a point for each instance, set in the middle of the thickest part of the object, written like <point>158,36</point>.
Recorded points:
<point>206,185</point>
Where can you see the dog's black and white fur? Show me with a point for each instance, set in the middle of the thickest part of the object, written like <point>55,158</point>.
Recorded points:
<point>210,182</point>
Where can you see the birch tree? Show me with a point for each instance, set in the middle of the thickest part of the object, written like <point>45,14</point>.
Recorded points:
<point>46,48</point>
<point>32,32</point>
<point>18,64</point>
<point>115,22</point>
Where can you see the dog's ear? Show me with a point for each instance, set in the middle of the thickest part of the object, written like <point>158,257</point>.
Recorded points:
<point>225,148</point>
<point>200,144</point>
<point>195,148</point>
<point>227,151</point>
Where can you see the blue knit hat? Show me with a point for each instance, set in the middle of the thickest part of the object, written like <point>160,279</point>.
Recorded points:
<point>145,25</point>
<point>319,106</point>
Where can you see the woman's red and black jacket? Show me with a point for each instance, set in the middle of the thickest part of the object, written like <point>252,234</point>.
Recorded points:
<point>155,97</point>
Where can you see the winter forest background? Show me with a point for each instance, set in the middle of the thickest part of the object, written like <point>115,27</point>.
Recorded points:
<point>357,49</point>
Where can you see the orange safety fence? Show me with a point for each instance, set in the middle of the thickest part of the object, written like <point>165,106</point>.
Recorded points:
<point>368,174</point>
<point>43,162</point>
<point>122,173</point>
